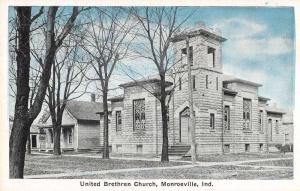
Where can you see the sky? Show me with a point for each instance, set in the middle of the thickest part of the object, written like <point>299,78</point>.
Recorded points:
<point>260,47</point>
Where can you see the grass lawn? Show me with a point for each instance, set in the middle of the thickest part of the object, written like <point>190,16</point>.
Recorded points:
<point>38,164</point>
<point>287,163</point>
<point>213,172</point>
<point>240,157</point>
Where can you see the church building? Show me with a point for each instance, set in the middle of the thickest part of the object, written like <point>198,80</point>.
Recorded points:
<point>230,115</point>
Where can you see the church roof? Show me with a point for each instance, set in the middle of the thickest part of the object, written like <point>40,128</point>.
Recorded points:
<point>199,30</point>
<point>143,82</point>
<point>232,79</point>
<point>275,110</point>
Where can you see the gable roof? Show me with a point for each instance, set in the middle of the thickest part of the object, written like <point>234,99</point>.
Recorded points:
<point>85,110</point>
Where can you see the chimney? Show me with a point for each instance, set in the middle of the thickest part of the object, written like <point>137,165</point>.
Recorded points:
<point>93,97</point>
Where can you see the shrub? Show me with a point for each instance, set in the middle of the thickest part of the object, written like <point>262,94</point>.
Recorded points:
<point>285,148</point>
<point>278,146</point>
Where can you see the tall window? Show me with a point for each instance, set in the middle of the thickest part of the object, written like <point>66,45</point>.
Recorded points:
<point>206,81</point>
<point>227,117</point>
<point>118,121</point>
<point>51,135</point>
<point>247,113</point>
<point>194,82</point>
<point>183,55</point>
<point>270,130</point>
<point>139,119</point>
<point>261,123</point>
<point>212,120</point>
<point>277,126</point>
<point>211,57</point>
<point>179,84</point>
<point>70,136</point>
<point>217,83</point>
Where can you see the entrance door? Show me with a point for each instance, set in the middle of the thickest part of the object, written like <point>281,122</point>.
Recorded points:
<point>184,130</point>
<point>33,141</point>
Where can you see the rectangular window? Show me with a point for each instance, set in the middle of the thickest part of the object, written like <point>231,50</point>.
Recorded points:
<point>70,136</point>
<point>179,84</point>
<point>118,121</point>
<point>139,148</point>
<point>261,116</point>
<point>51,135</point>
<point>211,57</point>
<point>206,81</point>
<point>277,126</point>
<point>217,83</point>
<point>227,148</point>
<point>139,119</point>
<point>118,148</point>
<point>212,120</point>
<point>270,129</point>
<point>194,82</point>
<point>184,58</point>
<point>286,137</point>
<point>247,105</point>
<point>261,146</point>
<point>247,148</point>
<point>227,117</point>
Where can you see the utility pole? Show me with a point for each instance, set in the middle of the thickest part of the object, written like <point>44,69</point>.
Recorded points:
<point>191,103</point>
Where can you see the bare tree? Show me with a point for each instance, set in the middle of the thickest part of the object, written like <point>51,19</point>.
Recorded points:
<point>66,84</point>
<point>24,115</point>
<point>106,41</point>
<point>158,25</point>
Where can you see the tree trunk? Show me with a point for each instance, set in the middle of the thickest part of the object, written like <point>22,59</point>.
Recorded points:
<point>21,125</point>
<point>56,141</point>
<point>165,146</point>
<point>28,143</point>
<point>105,127</point>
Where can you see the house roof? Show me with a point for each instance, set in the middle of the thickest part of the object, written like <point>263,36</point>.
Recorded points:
<point>85,110</point>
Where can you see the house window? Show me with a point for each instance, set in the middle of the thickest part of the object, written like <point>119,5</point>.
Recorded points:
<point>217,83</point>
<point>179,84</point>
<point>183,56</point>
<point>70,136</point>
<point>212,120</point>
<point>286,137</point>
<point>139,148</point>
<point>227,148</point>
<point>261,116</point>
<point>51,135</point>
<point>247,113</point>
<point>206,81</point>
<point>227,117</point>
<point>277,126</point>
<point>194,82</point>
<point>211,57</point>
<point>118,148</point>
<point>118,121</point>
<point>247,148</point>
<point>261,146</point>
<point>139,119</point>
